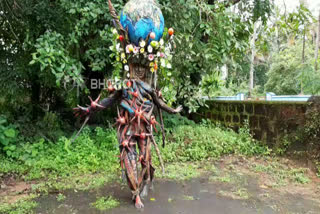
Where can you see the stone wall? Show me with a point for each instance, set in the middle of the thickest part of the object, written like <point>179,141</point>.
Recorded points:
<point>268,121</point>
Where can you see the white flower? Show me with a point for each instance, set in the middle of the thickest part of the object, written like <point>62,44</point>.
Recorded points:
<point>161,42</point>
<point>114,31</point>
<point>151,57</point>
<point>158,54</point>
<point>150,49</point>
<point>118,47</point>
<point>126,67</point>
<point>169,66</point>
<point>128,75</point>
<point>167,50</point>
<point>142,43</point>
<point>136,50</point>
<point>162,63</point>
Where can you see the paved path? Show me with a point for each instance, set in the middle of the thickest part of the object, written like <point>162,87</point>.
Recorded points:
<point>198,196</point>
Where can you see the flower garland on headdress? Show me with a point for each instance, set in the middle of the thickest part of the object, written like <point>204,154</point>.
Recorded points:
<point>153,54</point>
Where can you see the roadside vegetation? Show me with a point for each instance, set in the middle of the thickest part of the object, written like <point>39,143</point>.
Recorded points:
<point>91,162</point>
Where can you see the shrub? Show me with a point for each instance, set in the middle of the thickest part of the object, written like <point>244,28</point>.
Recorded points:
<point>8,137</point>
<point>96,150</point>
<point>311,129</point>
<point>202,141</point>
<point>93,151</point>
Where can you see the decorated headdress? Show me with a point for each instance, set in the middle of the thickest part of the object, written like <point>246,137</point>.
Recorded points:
<point>139,45</point>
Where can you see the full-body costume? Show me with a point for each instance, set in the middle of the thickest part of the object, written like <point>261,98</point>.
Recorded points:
<point>136,120</point>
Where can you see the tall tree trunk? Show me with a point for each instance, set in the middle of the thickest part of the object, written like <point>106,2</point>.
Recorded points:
<point>303,54</point>
<point>35,97</point>
<point>225,73</point>
<point>253,53</point>
<point>278,38</point>
<point>304,44</point>
<point>317,45</point>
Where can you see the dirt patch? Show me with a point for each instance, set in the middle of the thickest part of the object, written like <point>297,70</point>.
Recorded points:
<point>13,190</point>
<point>279,182</point>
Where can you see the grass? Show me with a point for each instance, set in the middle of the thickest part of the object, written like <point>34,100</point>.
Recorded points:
<point>188,198</point>
<point>91,161</point>
<point>223,179</point>
<point>104,203</point>
<point>226,175</point>
<point>282,174</point>
<point>211,168</point>
<point>206,141</point>
<point>61,197</point>
<point>180,171</point>
<point>241,194</point>
<point>22,206</point>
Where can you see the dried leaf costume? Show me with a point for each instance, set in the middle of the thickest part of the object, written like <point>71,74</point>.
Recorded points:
<point>139,30</point>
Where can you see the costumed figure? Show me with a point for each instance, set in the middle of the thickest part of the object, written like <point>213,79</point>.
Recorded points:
<point>141,52</point>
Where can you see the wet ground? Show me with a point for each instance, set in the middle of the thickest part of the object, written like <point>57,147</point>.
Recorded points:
<point>231,185</point>
<point>199,195</point>
<point>196,196</point>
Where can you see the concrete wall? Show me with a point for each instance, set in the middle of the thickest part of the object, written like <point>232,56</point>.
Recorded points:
<point>268,120</point>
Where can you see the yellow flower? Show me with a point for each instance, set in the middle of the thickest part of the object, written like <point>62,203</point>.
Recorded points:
<point>142,50</point>
<point>123,55</point>
<point>152,70</point>
<point>124,61</point>
<point>131,48</point>
<point>151,64</point>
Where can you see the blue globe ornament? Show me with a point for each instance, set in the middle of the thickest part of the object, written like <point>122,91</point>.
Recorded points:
<point>141,17</point>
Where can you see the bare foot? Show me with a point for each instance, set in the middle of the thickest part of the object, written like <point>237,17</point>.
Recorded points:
<point>138,203</point>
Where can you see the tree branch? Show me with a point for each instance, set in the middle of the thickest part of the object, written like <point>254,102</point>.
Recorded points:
<point>227,3</point>
<point>230,3</point>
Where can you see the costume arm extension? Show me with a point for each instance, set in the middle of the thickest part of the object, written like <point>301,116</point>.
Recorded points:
<point>109,101</point>
<point>157,100</point>
<point>105,103</point>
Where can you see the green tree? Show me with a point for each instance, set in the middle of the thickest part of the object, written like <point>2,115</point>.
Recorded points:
<point>49,46</point>
<point>287,75</point>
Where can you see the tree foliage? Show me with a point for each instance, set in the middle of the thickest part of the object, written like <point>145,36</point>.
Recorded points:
<point>287,75</point>
<point>291,50</point>
<point>49,47</point>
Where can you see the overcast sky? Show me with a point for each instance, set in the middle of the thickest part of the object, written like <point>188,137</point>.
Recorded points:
<point>313,5</point>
